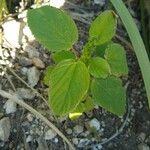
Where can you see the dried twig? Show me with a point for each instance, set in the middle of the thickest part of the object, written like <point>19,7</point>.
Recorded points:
<point>24,82</point>
<point>36,113</point>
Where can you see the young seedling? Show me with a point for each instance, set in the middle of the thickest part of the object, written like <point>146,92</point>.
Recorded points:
<point>77,84</point>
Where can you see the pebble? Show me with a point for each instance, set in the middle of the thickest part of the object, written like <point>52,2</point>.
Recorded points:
<point>100,2</point>
<point>24,61</point>
<point>78,129</point>
<point>30,117</point>
<point>13,33</point>
<point>68,131</point>
<point>10,106</point>
<point>94,124</point>
<point>25,94</point>
<point>24,71</point>
<point>33,75</point>
<point>32,51</point>
<point>75,141</point>
<point>142,136</point>
<point>38,63</point>
<point>27,32</point>
<point>143,146</point>
<point>56,3</point>
<point>29,139</point>
<point>56,140</point>
<point>83,142</point>
<point>50,134</point>
<point>4,129</point>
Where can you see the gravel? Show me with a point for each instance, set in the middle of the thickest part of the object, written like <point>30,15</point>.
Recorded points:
<point>4,129</point>
<point>33,75</point>
<point>10,107</point>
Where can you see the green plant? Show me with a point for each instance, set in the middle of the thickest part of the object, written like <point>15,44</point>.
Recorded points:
<point>137,43</point>
<point>77,84</point>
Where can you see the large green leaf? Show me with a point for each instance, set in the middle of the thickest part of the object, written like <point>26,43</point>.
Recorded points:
<point>69,82</point>
<point>137,42</point>
<point>109,94</point>
<point>53,28</point>
<point>103,28</point>
<point>62,55</point>
<point>47,73</point>
<point>99,67</point>
<point>116,57</point>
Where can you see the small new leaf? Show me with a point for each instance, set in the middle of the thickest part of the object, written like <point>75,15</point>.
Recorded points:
<point>116,57</point>
<point>109,94</point>
<point>99,67</point>
<point>53,28</point>
<point>62,55</point>
<point>103,28</point>
<point>69,83</point>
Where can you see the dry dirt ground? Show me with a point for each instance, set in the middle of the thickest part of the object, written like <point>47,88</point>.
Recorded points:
<point>19,129</point>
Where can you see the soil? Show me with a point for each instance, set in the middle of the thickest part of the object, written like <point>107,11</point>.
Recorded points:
<point>28,132</point>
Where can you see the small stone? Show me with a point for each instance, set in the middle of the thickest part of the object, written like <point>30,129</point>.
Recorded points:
<point>4,129</point>
<point>78,129</point>
<point>99,2</point>
<point>94,124</point>
<point>24,71</point>
<point>10,106</point>
<point>13,33</point>
<point>83,142</point>
<point>56,140</point>
<point>143,146</point>
<point>75,141</point>
<point>32,51</point>
<point>56,3</point>
<point>29,139</point>
<point>25,94</point>
<point>38,63</point>
<point>30,117</point>
<point>27,32</point>
<point>50,134</point>
<point>68,131</point>
<point>24,61</point>
<point>142,136</point>
<point>33,75</point>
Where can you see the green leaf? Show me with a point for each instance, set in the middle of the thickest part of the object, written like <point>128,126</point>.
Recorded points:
<point>69,83</point>
<point>53,28</point>
<point>85,106</point>
<point>100,49</point>
<point>103,28</point>
<point>47,73</point>
<point>62,55</point>
<point>116,57</point>
<point>137,42</point>
<point>99,67</point>
<point>3,9</point>
<point>109,94</point>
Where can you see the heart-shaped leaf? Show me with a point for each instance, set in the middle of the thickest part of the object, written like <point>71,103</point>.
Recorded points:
<point>116,57</point>
<point>99,67</point>
<point>109,94</point>
<point>69,82</point>
<point>103,28</point>
<point>53,28</point>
